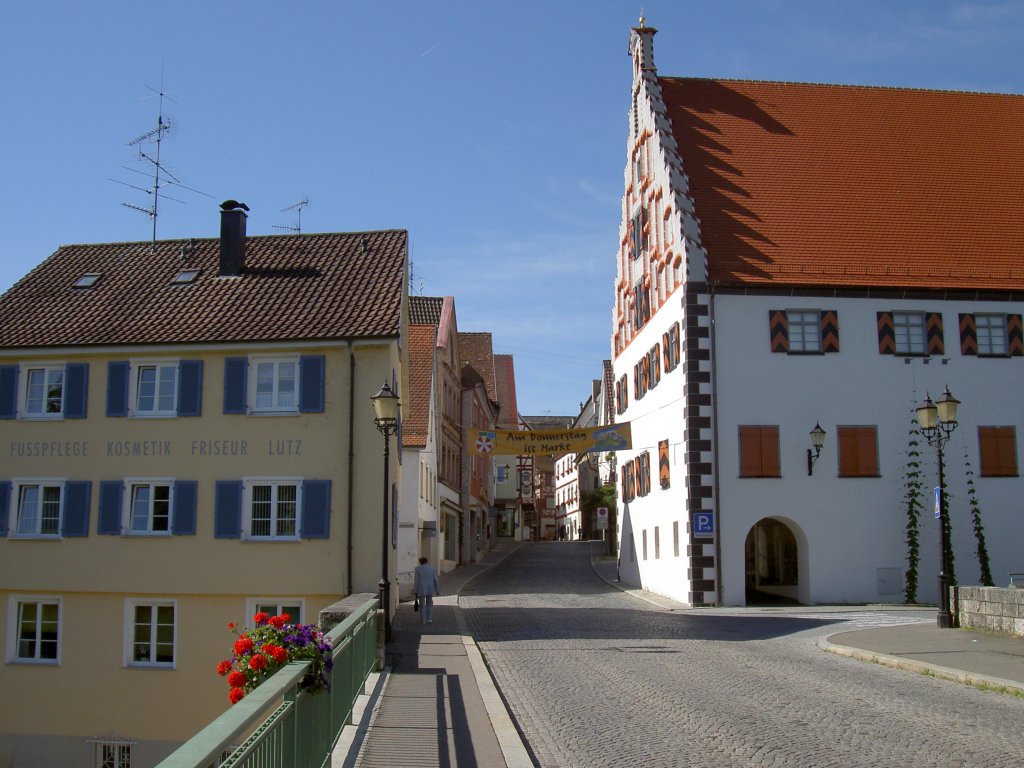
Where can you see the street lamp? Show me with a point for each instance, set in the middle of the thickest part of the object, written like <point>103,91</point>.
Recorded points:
<point>937,421</point>
<point>817,440</point>
<point>385,408</point>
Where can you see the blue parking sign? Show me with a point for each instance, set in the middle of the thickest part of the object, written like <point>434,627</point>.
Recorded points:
<point>704,525</point>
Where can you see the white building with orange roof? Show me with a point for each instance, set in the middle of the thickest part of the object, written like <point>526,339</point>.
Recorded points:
<point>794,255</point>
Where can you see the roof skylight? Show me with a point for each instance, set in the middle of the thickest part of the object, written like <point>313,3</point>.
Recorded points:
<point>88,280</point>
<point>186,276</point>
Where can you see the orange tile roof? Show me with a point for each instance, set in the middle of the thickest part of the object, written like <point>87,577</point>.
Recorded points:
<point>505,383</point>
<point>828,185</point>
<point>475,348</point>
<point>416,416</point>
<point>294,287</point>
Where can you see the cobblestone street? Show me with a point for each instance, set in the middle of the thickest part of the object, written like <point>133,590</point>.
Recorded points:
<point>597,677</point>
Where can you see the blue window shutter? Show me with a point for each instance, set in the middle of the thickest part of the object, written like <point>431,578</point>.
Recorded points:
<point>109,523</point>
<point>117,388</point>
<point>76,508</point>
<point>311,384</point>
<point>76,390</point>
<point>8,391</point>
<point>5,506</point>
<point>227,518</point>
<point>184,523</point>
<point>235,370</point>
<point>190,388</point>
<point>316,509</point>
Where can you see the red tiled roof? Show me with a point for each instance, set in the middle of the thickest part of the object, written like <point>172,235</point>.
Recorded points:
<point>425,310</point>
<point>475,348</point>
<point>294,287</point>
<point>505,383</point>
<point>421,368</point>
<point>801,184</point>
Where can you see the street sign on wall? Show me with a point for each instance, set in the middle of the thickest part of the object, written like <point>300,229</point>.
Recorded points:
<point>703,525</point>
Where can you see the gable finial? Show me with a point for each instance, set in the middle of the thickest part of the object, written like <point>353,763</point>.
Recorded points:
<point>642,20</point>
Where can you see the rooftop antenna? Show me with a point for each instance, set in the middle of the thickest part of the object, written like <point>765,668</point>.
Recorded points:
<point>164,125</point>
<point>297,207</point>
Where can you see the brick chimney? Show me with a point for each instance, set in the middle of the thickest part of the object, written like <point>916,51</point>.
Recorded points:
<point>232,238</point>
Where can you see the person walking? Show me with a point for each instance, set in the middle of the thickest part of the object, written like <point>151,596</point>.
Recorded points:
<point>425,586</point>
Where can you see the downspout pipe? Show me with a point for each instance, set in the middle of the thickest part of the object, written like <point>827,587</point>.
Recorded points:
<point>351,459</point>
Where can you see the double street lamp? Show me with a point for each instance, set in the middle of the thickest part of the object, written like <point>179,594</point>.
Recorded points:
<point>385,408</point>
<point>937,421</point>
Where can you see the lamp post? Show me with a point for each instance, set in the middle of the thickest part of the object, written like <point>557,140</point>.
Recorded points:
<point>385,408</point>
<point>937,421</point>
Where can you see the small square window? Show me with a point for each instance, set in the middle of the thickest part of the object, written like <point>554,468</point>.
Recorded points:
<point>156,389</point>
<point>34,634</point>
<point>151,633</point>
<point>908,328</point>
<point>88,280</point>
<point>44,391</point>
<point>149,507</point>
<point>991,331</point>
<point>39,508</point>
<point>804,330</point>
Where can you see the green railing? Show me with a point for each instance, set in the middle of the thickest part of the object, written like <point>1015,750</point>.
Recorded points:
<point>276,725</point>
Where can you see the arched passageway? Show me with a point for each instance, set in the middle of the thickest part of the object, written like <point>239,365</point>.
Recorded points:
<point>772,564</point>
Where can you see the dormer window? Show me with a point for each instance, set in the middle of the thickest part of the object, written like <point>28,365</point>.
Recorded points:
<point>88,280</point>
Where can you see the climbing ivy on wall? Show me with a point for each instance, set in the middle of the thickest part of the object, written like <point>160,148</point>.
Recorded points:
<point>979,528</point>
<point>912,497</point>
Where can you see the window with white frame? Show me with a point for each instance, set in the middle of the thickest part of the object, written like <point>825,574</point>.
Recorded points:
<point>275,385</point>
<point>155,388</point>
<point>272,508</point>
<point>148,506</point>
<point>34,629</point>
<point>908,331</point>
<point>111,752</point>
<point>39,507</point>
<point>274,606</point>
<point>152,633</point>
<point>804,330</point>
<point>44,391</point>
<point>991,332</point>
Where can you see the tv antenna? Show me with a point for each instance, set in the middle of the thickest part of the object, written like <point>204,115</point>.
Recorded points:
<point>155,136</point>
<point>297,207</point>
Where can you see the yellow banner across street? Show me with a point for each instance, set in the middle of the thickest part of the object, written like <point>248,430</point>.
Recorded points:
<point>510,442</point>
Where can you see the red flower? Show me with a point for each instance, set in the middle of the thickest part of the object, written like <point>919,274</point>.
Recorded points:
<point>243,645</point>
<point>236,695</point>
<point>280,655</point>
<point>267,647</point>
<point>277,622</point>
<point>223,668</point>
<point>285,617</point>
<point>236,679</point>
<point>258,662</point>
<point>231,625</point>
<point>260,618</point>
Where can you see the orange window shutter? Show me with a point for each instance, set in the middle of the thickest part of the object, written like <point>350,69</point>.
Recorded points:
<point>867,451</point>
<point>750,452</point>
<point>1007,451</point>
<point>663,464</point>
<point>847,451</point>
<point>770,451</point>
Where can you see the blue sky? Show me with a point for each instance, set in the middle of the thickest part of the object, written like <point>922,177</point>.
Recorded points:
<point>494,132</point>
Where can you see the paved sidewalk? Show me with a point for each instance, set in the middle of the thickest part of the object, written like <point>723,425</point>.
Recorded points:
<point>967,656</point>
<point>435,704</point>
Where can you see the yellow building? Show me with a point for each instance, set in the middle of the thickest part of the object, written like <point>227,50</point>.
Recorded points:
<point>187,437</point>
